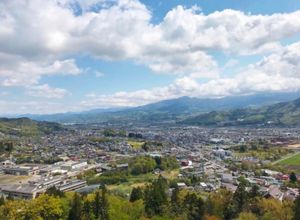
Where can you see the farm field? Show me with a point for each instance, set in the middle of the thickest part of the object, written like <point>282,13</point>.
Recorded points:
<point>293,160</point>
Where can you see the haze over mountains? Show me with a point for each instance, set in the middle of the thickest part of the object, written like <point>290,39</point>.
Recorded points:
<point>173,110</point>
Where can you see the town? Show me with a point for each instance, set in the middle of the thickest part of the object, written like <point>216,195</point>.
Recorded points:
<point>204,159</point>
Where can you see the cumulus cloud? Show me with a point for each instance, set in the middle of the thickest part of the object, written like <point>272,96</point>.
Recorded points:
<point>277,72</point>
<point>45,91</point>
<point>15,71</point>
<point>123,30</point>
<point>39,38</point>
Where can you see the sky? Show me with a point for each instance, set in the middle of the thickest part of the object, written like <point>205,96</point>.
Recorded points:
<point>75,55</point>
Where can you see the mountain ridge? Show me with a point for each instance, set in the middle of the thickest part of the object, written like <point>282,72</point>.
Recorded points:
<point>280,114</point>
<point>167,110</point>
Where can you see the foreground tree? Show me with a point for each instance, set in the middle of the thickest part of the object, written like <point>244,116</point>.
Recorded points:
<point>194,206</point>
<point>175,202</point>
<point>155,197</point>
<point>136,194</point>
<point>53,191</point>
<point>104,204</point>
<point>76,208</point>
<point>247,216</point>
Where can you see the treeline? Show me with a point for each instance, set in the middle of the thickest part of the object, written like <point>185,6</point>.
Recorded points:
<point>114,133</point>
<point>153,201</point>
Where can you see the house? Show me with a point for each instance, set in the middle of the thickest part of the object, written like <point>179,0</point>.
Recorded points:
<point>21,170</point>
<point>181,185</point>
<point>227,178</point>
<point>24,191</point>
<point>275,193</point>
<point>291,194</point>
<point>229,186</point>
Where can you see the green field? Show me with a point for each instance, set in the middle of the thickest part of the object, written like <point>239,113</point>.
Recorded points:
<point>136,144</point>
<point>293,160</point>
<point>140,181</point>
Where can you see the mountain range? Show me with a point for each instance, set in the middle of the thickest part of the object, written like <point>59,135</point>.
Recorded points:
<point>184,109</point>
<point>280,114</point>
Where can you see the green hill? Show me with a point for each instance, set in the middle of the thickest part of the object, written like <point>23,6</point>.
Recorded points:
<point>281,114</point>
<point>27,127</point>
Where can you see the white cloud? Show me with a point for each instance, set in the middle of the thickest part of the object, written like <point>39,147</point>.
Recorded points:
<point>123,30</point>
<point>278,72</point>
<point>99,74</point>
<point>39,38</point>
<point>45,91</point>
<point>19,72</point>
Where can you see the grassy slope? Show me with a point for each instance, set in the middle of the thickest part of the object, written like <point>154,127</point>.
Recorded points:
<point>27,127</point>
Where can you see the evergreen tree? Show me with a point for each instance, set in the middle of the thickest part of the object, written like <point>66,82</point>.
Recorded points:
<point>194,206</point>
<point>87,210</point>
<point>2,201</point>
<point>104,204</point>
<point>230,211</point>
<point>175,202</point>
<point>96,204</point>
<point>240,197</point>
<point>136,194</point>
<point>293,177</point>
<point>76,208</point>
<point>155,197</point>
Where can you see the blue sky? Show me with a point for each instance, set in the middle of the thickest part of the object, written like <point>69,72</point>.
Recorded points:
<point>128,52</point>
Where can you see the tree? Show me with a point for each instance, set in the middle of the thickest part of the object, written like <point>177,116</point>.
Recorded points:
<point>96,204</point>
<point>136,194</point>
<point>142,164</point>
<point>47,207</point>
<point>254,192</point>
<point>100,204</point>
<point>104,204</point>
<point>2,200</point>
<point>53,191</point>
<point>194,206</point>
<point>247,216</point>
<point>217,202</point>
<point>76,208</point>
<point>271,208</point>
<point>293,177</point>
<point>240,197</point>
<point>155,197</point>
<point>87,210</point>
<point>175,201</point>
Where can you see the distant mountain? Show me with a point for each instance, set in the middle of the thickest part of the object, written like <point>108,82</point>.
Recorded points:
<point>27,127</point>
<point>168,110</point>
<point>280,114</point>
